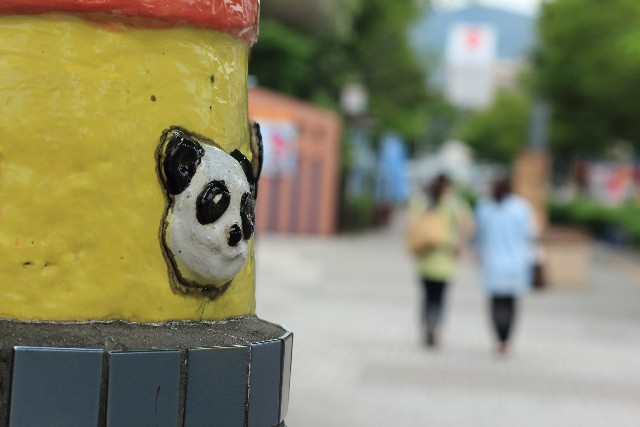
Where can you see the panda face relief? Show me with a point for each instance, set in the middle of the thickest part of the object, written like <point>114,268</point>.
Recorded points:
<point>204,232</point>
<point>210,214</point>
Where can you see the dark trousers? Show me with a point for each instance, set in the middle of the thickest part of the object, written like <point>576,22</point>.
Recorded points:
<point>432,307</point>
<point>503,314</point>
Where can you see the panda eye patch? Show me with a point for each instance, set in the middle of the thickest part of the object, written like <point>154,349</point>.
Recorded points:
<point>181,159</point>
<point>212,202</point>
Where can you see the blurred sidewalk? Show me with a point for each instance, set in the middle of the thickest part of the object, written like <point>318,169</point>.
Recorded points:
<point>352,302</point>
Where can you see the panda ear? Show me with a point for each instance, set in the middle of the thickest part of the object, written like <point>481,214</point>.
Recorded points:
<point>178,158</point>
<point>253,168</point>
<point>257,151</point>
<point>246,166</point>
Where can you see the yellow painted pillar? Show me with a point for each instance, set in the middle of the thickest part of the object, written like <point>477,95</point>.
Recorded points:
<point>128,180</point>
<point>86,97</point>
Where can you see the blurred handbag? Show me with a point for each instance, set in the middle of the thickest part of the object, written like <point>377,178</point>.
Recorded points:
<point>538,276</point>
<point>426,232</point>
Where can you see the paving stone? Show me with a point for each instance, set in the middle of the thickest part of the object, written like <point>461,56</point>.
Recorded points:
<point>287,349</point>
<point>217,387</point>
<point>55,387</point>
<point>143,388</point>
<point>264,384</point>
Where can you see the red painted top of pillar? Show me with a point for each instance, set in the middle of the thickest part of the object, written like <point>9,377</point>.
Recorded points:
<point>238,18</point>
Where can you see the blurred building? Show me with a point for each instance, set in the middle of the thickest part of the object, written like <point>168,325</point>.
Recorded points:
<point>469,61</point>
<point>473,51</point>
<point>298,188</point>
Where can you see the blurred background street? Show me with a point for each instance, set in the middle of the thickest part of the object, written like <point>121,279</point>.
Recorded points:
<point>364,106</point>
<point>358,360</point>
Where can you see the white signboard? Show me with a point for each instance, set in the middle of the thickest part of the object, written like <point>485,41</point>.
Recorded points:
<point>470,60</point>
<point>280,142</point>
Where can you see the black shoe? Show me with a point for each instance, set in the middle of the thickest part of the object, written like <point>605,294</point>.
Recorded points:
<point>503,348</point>
<point>431,339</point>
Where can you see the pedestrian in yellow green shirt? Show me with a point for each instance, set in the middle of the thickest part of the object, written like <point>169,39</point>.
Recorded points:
<point>437,264</point>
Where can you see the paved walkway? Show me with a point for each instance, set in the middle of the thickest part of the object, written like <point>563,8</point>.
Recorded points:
<point>353,302</point>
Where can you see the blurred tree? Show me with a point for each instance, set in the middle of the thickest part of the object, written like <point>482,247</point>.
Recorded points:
<point>375,53</point>
<point>443,119</point>
<point>283,59</point>
<point>388,66</point>
<point>500,132</point>
<point>313,16</point>
<point>589,68</point>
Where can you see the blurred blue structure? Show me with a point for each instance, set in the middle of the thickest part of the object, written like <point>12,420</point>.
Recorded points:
<point>362,166</point>
<point>391,181</point>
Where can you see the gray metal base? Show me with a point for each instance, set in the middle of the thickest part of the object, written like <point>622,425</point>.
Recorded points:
<point>233,373</point>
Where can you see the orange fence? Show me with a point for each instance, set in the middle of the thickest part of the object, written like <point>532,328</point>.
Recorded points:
<point>299,184</point>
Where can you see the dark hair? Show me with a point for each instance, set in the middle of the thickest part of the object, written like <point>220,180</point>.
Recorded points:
<point>437,187</point>
<point>501,189</point>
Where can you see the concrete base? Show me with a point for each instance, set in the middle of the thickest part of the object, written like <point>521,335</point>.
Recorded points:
<point>233,373</point>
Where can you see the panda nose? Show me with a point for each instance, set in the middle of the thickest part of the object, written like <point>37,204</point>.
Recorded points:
<point>235,235</point>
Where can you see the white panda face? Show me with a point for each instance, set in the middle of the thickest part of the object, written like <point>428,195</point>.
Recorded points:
<point>210,216</point>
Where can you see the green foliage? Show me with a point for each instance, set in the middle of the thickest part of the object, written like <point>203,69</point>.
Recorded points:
<point>589,68</point>
<point>357,213</point>
<point>620,223</point>
<point>388,67</point>
<point>377,54</point>
<point>500,132</point>
<point>313,16</point>
<point>284,57</point>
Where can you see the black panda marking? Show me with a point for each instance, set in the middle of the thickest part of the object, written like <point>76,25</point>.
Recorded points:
<point>258,149</point>
<point>180,161</point>
<point>212,202</point>
<point>246,165</point>
<point>235,235</point>
<point>247,215</point>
